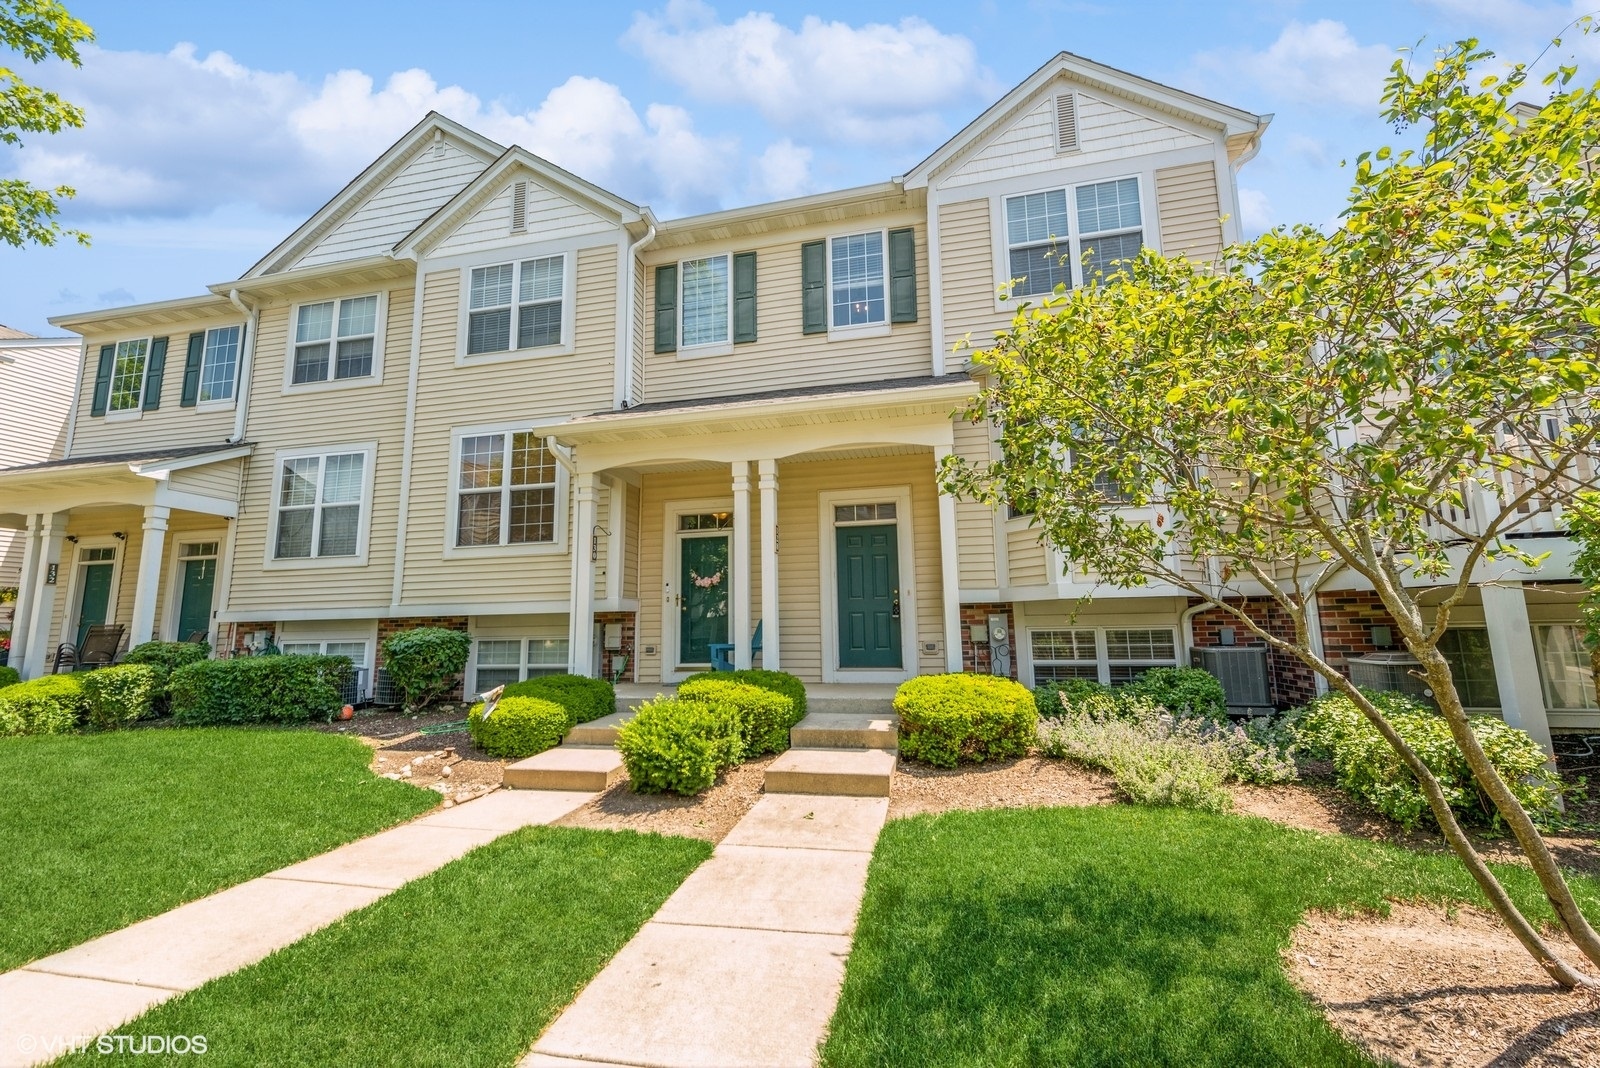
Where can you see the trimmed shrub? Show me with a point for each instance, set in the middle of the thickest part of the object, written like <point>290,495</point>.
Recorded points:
<point>1183,691</point>
<point>520,726</point>
<point>49,704</point>
<point>776,681</point>
<point>583,698</point>
<point>259,689</point>
<point>425,663</point>
<point>1051,698</point>
<point>1367,767</point>
<point>118,695</point>
<point>951,719</point>
<point>165,657</point>
<point>765,716</point>
<point>679,745</point>
<point>9,676</point>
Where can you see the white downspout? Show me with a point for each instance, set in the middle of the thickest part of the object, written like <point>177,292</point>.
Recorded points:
<point>246,363</point>
<point>627,299</point>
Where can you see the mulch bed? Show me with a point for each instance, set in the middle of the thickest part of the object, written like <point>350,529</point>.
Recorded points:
<point>447,763</point>
<point>709,815</point>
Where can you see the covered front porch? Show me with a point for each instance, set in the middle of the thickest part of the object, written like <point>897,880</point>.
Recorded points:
<point>136,540</point>
<point>796,532</point>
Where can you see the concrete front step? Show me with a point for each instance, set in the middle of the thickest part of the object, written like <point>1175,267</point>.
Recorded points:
<point>845,730</point>
<point>849,772</point>
<point>602,731</point>
<point>567,767</point>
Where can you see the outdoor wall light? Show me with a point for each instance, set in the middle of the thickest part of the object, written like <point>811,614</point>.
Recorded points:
<point>119,535</point>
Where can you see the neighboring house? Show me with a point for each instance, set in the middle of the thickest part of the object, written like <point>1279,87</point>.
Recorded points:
<point>36,380</point>
<point>477,391</point>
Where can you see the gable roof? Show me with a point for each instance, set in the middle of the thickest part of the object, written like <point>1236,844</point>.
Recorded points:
<point>368,182</point>
<point>1233,122</point>
<point>482,188</point>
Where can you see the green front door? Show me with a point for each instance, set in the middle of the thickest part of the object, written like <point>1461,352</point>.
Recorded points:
<point>703,579</point>
<point>95,600</point>
<point>194,604</point>
<point>869,596</point>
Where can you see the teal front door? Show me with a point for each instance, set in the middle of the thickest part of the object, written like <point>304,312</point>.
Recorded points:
<point>703,579</point>
<point>94,601</point>
<point>194,604</point>
<point>869,596</point>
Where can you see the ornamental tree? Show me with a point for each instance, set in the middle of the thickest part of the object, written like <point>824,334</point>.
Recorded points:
<point>1391,399</point>
<point>38,30</point>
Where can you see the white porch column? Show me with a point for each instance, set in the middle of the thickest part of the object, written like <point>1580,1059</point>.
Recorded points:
<point>768,472</point>
<point>142,627</point>
<point>739,611</point>
<point>582,633</point>
<point>1516,665</point>
<point>949,566</point>
<point>27,590</point>
<point>52,533</point>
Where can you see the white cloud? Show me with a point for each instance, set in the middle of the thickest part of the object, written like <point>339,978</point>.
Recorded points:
<point>179,134</point>
<point>1312,150</point>
<point>870,84</point>
<point>1320,64</point>
<point>1255,212</point>
<point>782,171</point>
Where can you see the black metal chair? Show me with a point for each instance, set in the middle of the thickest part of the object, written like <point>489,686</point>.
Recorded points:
<point>98,649</point>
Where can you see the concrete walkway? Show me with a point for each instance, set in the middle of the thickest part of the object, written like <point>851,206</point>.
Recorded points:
<point>742,965</point>
<point>90,989</point>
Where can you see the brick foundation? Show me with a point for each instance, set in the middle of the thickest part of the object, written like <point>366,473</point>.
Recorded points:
<point>388,627</point>
<point>231,636</point>
<point>1289,681</point>
<point>611,659</point>
<point>1348,617</point>
<point>976,658</point>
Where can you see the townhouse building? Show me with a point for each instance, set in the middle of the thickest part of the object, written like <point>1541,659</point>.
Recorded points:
<point>475,390</point>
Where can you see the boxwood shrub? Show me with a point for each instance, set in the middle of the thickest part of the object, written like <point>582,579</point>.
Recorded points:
<point>49,704</point>
<point>1051,698</point>
<point>165,658</point>
<point>1183,691</point>
<point>520,726</point>
<point>679,745</point>
<point>765,716</point>
<point>259,689</point>
<point>425,663</point>
<point>951,719</point>
<point>9,676</point>
<point>776,681</point>
<point>118,695</point>
<point>583,698</point>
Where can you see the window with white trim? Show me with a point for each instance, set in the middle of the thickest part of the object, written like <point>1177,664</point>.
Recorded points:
<point>355,651</point>
<point>127,375</point>
<point>1112,655</point>
<point>1132,652</point>
<point>335,340</point>
<point>1064,654</point>
<point>505,487</point>
<point>856,292</point>
<point>1044,249</point>
<point>1564,669</point>
<point>319,502</point>
<point>219,363</point>
<point>500,661</point>
<point>519,301</point>
<point>705,301</point>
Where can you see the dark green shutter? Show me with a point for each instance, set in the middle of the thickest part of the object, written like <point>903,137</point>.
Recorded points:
<point>667,308</point>
<point>153,373</point>
<point>102,380</point>
<point>902,276</point>
<point>813,288</point>
<point>191,370</point>
<point>744,296</point>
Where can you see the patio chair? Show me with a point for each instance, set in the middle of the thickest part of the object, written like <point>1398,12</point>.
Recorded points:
<point>722,652</point>
<point>98,649</point>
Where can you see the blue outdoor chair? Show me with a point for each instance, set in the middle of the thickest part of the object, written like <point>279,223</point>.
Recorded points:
<point>722,652</point>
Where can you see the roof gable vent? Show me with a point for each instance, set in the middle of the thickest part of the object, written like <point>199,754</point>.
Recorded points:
<point>1066,122</point>
<point>519,207</point>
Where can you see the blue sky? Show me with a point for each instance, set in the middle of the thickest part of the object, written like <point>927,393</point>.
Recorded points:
<point>215,129</point>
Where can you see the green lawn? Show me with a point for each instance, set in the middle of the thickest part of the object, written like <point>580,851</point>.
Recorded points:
<point>1108,936</point>
<point>463,967</point>
<point>101,830</point>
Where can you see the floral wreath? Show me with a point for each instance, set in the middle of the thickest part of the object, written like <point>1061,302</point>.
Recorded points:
<point>706,582</point>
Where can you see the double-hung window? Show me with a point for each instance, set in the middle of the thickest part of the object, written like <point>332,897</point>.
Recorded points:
<point>1064,654</point>
<point>856,289</point>
<point>499,661</point>
<point>355,652</point>
<point>1111,655</point>
<point>517,302</point>
<point>1045,248</point>
<point>335,340</point>
<point>319,503</point>
<point>127,375</point>
<point>706,301</point>
<point>1472,666</point>
<point>1564,669</point>
<point>1132,652</point>
<point>505,490</point>
<point>219,363</point>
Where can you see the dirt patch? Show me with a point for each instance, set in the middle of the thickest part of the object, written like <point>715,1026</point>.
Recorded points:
<point>1032,780</point>
<point>1429,988</point>
<point>710,815</point>
<point>448,764</point>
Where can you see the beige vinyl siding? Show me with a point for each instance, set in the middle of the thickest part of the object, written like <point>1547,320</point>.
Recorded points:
<point>640,314</point>
<point>1106,131</point>
<point>1190,211</point>
<point>550,217</point>
<point>630,546</point>
<point>349,415</point>
<point>974,521</point>
<point>531,389</point>
<point>35,392</point>
<point>171,424</point>
<point>420,188</point>
<point>1026,555</point>
<point>598,541</point>
<point>967,250</point>
<point>220,480</point>
<point>783,357</point>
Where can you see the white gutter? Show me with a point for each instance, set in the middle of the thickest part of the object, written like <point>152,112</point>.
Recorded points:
<point>562,453</point>
<point>627,319</point>
<point>241,407</point>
